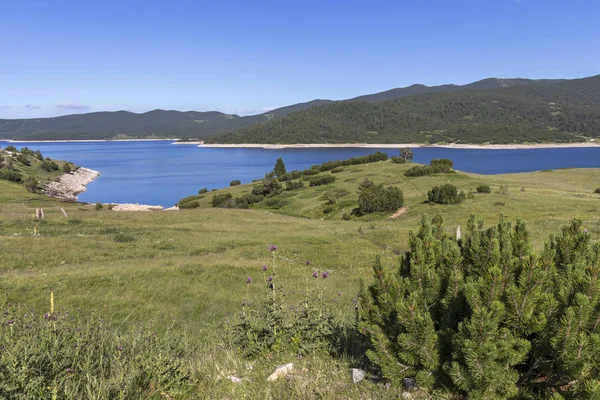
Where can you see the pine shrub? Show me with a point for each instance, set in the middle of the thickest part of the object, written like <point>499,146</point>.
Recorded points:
<point>445,194</point>
<point>483,189</point>
<point>322,180</point>
<point>487,318</point>
<point>235,182</point>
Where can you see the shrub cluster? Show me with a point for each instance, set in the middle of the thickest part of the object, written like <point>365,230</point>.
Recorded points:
<point>398,160</point>
<point>49,165</point>
<point>293,185</point>
<point>235,182</point>
<point>226,200</point>
<point>10,175</point>
<point>268,187</point>
<point>485,317</point>
<point>483,189</point>
<point>445,194</point>
<point>597,190</point>
<point>322,180</point>
<point>376,198</point>
<point>189,204</point>
<point>436,166</point>
<point>203,190</point>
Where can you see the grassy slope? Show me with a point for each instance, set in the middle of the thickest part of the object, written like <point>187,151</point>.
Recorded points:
<point>193,264</point>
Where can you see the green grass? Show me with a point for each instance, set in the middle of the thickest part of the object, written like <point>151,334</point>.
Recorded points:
<point>192,264</point>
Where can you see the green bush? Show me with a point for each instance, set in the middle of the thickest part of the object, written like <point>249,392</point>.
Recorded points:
<point>333,195</point>
<point>221,200</point>
<point>268,187</point>
<point>49,165</point>
<point>346,217</point>
<point>11,149</point>
<point>398,160</point>
<point>67,168</point>
<point>98,206</point>
<point>337,170</point>
<point>485,317</point>
<point>188,199</point>
<point>376,198</point>
<point>327,209</point>
<point>189,204</point>
<point>23,159</point>
<point>435,166</point>
<point>32,185</point>
<point>597,190</point>
<point>10,175</point>
<point>67,355</point>
<point>235,182</point>
<point>483,189</point>
<point>275,203</point>
<point>322,180</point>
<point>26,151</point>
<point>445,194</point>
<point>293,185</point>
<point>202,191</point>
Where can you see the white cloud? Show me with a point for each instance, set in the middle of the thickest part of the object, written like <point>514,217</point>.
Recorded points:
<point>27,106</point>
<point>73,106</point>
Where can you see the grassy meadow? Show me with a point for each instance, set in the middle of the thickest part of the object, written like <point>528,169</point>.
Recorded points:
<point>192,265</point>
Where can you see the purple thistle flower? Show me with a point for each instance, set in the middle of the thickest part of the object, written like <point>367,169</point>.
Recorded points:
<point>270,279</point>
<point>265,268</point>
<point>585,231</point>
<point>248,280</point>
<point>272,247</point>
<point>354,300</point>
<point>325,274</point>
<point>244,304</point>
<point>339,293</point>
<point>46,316</point>
<point>10,322</point>
<point>70,371</point>
<point>307,262</point>
<point>315,274</point>
<point>120,348</point>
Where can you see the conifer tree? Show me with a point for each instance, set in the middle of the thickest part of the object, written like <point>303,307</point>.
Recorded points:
<point>279,169</point>
<point>485,317</point>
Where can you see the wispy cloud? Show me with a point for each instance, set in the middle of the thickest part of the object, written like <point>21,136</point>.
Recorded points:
<point>26,106</point>
<point>73,106</point>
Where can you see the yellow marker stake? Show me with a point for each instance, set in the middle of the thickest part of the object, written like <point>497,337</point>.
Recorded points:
<point>51,303</point>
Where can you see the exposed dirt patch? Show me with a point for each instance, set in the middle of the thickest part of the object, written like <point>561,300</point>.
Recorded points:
<point>401,211</point>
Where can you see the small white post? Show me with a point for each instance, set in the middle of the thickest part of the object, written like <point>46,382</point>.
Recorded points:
<point>458,232</point>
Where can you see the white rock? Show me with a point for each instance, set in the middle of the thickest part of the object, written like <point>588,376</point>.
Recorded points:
<point>357,375</point>
<point>234,379</point>
<point>281,371</point>
<point>406,396</point>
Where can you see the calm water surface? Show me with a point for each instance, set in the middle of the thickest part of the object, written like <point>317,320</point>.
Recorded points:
<point>161,173</point>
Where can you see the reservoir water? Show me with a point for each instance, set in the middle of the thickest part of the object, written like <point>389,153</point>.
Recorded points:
<point>158,172</point>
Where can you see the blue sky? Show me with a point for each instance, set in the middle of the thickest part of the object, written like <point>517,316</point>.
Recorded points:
<point>61,56</point>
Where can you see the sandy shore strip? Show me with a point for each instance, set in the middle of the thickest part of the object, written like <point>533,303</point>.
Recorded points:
<point>87,140</point>
<point>135,207</point>
<point>68,186</point>
<point>401,145</point>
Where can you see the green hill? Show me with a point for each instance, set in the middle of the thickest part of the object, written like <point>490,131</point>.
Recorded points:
<point>542,111</point>
<point>193,124</point>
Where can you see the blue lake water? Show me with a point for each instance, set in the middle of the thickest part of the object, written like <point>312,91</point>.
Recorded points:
<point>157,172</point>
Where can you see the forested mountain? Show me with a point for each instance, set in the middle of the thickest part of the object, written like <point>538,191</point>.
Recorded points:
<point>538,111</point>
<point>519,110</point>
<point>193,124</point>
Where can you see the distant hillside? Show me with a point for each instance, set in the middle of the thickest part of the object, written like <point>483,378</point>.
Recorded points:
<point>509,112</point>
<point>192,124</point>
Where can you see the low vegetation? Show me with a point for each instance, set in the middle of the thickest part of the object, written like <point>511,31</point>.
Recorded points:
<point>436,166</point>
<point>445,194</point>
<point>483,189</point>
<point>172,290</point>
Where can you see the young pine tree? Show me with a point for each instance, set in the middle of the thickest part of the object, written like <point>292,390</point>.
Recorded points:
<point>486,318</point>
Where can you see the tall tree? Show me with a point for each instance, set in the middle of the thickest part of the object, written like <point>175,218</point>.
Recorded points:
<point>406,153</point>
<point>279,169</point>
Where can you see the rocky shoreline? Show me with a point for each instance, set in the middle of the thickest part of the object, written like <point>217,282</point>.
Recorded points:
<point>69,185</point>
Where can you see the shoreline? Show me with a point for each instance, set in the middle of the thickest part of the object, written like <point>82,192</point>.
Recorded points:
<point>86,140</point>
<point>400,145</point>
<point>67,187</point>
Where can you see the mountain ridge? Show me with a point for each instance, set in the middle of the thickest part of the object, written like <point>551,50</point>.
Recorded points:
<point>199,124</point>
